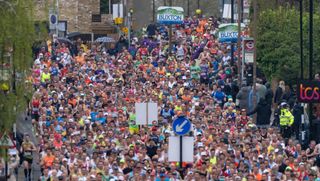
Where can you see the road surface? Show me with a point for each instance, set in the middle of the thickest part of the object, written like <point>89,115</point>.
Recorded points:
<point>25,126</point>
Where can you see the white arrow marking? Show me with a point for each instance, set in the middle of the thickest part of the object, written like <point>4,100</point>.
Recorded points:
<point>179,127</point>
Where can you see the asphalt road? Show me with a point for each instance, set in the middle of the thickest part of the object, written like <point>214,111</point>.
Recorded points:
<point>25,126</point>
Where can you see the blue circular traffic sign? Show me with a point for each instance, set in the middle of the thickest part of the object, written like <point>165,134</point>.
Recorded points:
<point>53,19</point>
<point>181,126</point>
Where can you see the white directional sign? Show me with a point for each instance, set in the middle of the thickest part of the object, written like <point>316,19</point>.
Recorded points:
<point>6,141</point>
<point>146,113</point>
<point>187,149</point>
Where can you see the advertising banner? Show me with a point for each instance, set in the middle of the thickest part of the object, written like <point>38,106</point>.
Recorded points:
<point>170,15</point>
<point>308,91</point>
<point>229,32</point>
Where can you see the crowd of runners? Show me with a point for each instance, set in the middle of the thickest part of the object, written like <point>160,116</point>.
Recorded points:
<point>83,112</point>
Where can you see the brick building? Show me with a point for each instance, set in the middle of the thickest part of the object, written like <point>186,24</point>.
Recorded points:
<point>83,16</point>
<point>95,16</point>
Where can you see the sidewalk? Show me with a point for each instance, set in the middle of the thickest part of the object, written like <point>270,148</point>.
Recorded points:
<point>25,126</point>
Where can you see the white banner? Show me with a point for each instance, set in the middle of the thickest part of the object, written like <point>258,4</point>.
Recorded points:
<point>174,149</point>
<point>146,113</point>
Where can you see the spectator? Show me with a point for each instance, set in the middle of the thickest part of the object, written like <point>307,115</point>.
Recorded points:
<point>279,92</point>
<point>88,127</point>
<point>263,113</point>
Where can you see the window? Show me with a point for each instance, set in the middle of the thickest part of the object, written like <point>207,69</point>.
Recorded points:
<point>113,2</point>
<point>104,6</point>
<point>96,18</point>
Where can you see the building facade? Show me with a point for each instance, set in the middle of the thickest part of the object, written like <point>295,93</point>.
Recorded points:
<point>95,16</point>
<point>83,16</point>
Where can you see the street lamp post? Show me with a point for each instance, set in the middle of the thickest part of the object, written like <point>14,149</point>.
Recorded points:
<point>57,11</point>
<point>242,11</point>
<point>239,63</point>
<point>129,25</point>
<point>311,59</point>
<point>188,9</point>
<point>311,40</point>
<point>153,10</point>
<point>255,18</point>
<point>301,39</point>
<point>232,21</point>
<point>170,33</point>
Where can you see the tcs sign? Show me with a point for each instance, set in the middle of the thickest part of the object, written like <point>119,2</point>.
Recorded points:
<point>308,91</point>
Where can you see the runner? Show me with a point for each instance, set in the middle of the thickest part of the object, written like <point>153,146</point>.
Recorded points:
<point>88,122</point>
<point>27,148</point>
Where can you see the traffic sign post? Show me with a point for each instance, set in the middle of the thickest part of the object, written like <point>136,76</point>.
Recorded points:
<point>184,154</point>
<point>6,164</point>
<point>6,142</point>
<point>181,126</point>
<point>181,152</point>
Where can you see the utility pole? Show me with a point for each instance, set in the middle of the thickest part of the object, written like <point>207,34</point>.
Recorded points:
<point>57,11</point>
<point>311,55</point>
<point>241,11</point>
<point>301,39</point>
<point>125,13</point>
<point>119,9</point>
<point>239,44</point>
<point>223,2</point>
<point>255,13</point>
<point>232,21</point>
<point>311,40</point>
<point>153,10</point>
<point>118,26</point>
<point>170,33</point>
<point>129,28</point>
<point>188,8</point>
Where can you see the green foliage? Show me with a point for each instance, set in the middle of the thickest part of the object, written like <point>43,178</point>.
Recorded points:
<point>17,34</point>
<point>278,43</point>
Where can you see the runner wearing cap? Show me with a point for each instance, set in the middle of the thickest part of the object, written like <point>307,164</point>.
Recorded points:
<point>88,121</point>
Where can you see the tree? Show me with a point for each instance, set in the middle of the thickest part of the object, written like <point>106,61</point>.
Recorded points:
<point>278,43</point>
<point>16,38</point>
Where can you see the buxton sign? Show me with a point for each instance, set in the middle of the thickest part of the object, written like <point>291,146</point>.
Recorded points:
<point>308,91</point>
<point>170,15</point>
<point>229,32</point>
